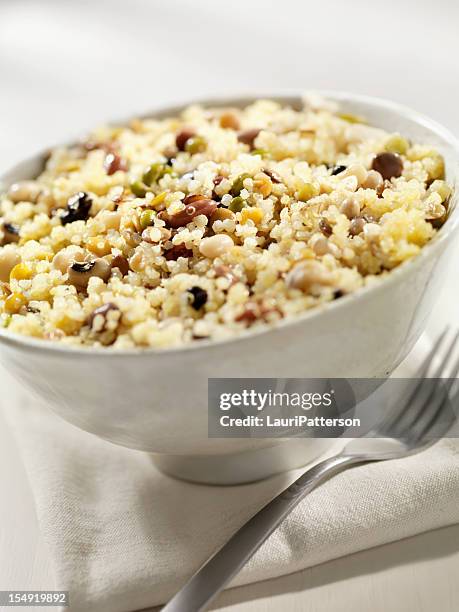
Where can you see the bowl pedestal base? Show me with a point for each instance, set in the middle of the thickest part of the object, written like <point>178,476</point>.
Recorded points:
<point>244,467</point>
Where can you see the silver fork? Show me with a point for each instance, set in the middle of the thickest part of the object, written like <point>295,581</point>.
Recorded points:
<point>425,416</point>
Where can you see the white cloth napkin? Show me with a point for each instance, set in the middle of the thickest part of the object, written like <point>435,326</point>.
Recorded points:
<point>124,537</point>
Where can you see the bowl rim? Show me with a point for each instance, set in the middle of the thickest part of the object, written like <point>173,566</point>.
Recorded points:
<point>226,99</point>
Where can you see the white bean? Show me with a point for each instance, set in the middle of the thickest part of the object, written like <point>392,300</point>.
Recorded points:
<point>319,244</point>
<point>79,276</point>
<point>215,246</point>
<point>350,207</point>
<point>350,183</point>
<point>357,170</point>
<point>24,191</point>
<point>373,181</point>
<point>64,258</point>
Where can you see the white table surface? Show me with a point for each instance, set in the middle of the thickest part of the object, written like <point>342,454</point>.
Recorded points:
<point>67,66</point>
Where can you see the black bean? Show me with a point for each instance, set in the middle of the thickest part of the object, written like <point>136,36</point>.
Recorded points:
<point>78,207</point>
<point>199,297</point>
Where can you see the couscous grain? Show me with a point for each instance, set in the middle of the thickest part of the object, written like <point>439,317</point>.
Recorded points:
<point>164,232</point>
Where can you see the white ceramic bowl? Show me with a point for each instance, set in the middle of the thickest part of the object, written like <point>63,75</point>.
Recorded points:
<point>156,401</point>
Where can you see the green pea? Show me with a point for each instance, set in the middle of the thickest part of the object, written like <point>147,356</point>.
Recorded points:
<point>147,218</point>
<point>237,204</point>
<point>238,184</point>
<point>138,189</point>
<point>196,144</point>
<point>153,173</point>
<point>156,172</point>
<point>260,152</point>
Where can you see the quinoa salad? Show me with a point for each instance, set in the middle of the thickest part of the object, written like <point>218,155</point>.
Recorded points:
<point>165,232</point>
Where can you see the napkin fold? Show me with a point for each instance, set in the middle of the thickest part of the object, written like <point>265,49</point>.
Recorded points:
<point>123,536</point>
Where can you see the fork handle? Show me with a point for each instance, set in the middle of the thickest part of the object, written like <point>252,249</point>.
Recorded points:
<point>215,574</point>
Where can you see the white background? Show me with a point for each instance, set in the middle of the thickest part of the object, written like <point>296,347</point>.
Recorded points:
<point>67,65</point>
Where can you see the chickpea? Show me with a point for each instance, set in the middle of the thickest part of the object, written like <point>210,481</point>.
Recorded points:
<point>307,273</point>
<point>8,259</point>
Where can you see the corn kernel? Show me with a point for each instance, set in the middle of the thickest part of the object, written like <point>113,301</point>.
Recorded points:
<point>350,118</point>
<point>262,184</point>
<point>307,191</point>
<point>14,303</point>
<point>98,245</point>
<point>21,271</point>
<point>397,144</point>
<point>44,256</point>
<point>68,325</point>
<point>255,214</point>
